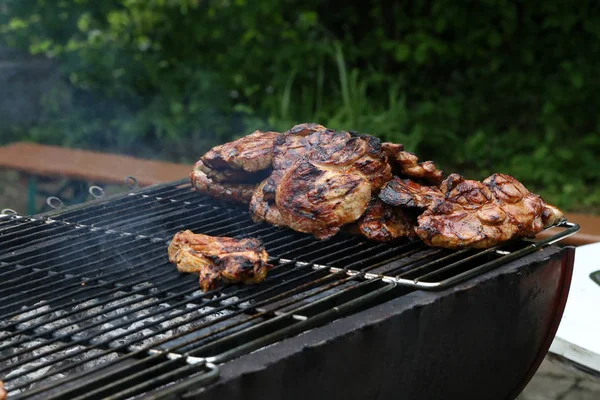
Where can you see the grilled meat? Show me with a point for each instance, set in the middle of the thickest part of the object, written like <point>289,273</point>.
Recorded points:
<point>216,258</point>
<point>406,193</point>
<point>3,394</point>
<point>305,129</point>
<point>240,193</point>
<point>330,185</point>
<point>250,153</point>
<point>318,200</point>
<point>407,164</point>
<point>288,149</point>
<point>318,181</point>
<point>480,215</point>
<point>383,223</point>
<point>263,209</point>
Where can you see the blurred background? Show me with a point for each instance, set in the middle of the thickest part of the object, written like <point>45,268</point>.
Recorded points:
<point>479,87</point>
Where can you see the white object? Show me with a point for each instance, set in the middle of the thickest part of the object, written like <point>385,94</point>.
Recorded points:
<point>578,335</point>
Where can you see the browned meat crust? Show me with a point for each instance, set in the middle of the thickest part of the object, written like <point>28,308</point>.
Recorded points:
<point>406,193</point>
<point>287,150</point>
<point>262,209</point>
<point>331,184</point>
<point>240,193</point>
<point>407,164</point>
<point>305,129</point>
<point>480,215</point>
<point>318,200</point>
<point>216,258</point>
<point>250,153</point>
<point>383,223</point>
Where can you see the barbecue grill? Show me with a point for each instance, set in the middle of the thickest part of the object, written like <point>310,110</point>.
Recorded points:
<point>92,308</point>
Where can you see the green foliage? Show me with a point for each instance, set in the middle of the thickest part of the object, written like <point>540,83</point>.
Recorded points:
<point>479,87</point>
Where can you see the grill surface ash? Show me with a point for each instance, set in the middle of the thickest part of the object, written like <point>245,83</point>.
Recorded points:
<point>123,319</point>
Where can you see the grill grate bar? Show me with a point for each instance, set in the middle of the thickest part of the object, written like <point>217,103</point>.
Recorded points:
<point>146,206</point>
<point>313,282</point>
<point>114,338</point>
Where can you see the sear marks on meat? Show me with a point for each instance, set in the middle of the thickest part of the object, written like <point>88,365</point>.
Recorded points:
<point>250,153</point>
<point>407,193</point>
<point>263,209</point>
<point>330,185</point>
<point>240,193</point>
<point>318,200</point>
<point>305,129</point>
<point>383,223</point>
<point>232,175</point>
<point>288,149</point>
<point>480,215</point>
<point>407,164</point>
<point>216,258</point>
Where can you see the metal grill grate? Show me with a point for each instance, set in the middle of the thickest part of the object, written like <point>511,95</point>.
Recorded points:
<point>92,307</point>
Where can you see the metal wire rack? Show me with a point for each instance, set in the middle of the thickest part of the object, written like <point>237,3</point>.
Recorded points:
<point>92,308</point>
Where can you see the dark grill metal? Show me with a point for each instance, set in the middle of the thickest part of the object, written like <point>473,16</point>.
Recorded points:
<point>91,307</point>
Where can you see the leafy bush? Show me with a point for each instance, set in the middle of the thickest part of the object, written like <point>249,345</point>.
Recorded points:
<point>479,87</point>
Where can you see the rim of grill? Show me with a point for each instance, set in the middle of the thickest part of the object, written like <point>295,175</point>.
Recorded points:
<point>103,267</point>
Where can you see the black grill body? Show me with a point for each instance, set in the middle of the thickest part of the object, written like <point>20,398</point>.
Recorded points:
<point>482,339</point>
<point>92,308</point>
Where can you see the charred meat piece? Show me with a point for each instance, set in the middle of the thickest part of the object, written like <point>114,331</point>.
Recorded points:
<point>383,223</point>
<point>288,149</point>
<point>331,184</point>
<point>407,193</point>
<point>319,201</point>
<point>407,164</point>
<point>325,146</point>
<point>240,193</point>
<point>216,258</point>
<point>263,209</point>
<point>481,215</point>
<point>250,153</point>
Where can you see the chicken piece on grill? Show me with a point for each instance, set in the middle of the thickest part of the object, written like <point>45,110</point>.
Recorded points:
<point>216,258</point>
<point>481,215</point>
<point>407,193</point>
<point>250,153</point>
<point>331,184</point>
<point>240,192</point>
<point>407,164</point>
<point>383,223</point>
<point>319,201</point>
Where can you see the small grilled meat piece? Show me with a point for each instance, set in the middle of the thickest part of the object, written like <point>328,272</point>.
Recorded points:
<point>240,193</point>
<point>407,164</point>
<point>383,223</point>
<point>407,193</point>
<point>250,153</point>
<point>331,184</point>
<point>216,258</point>
<point>3,394</point>
<point>481,215</point>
